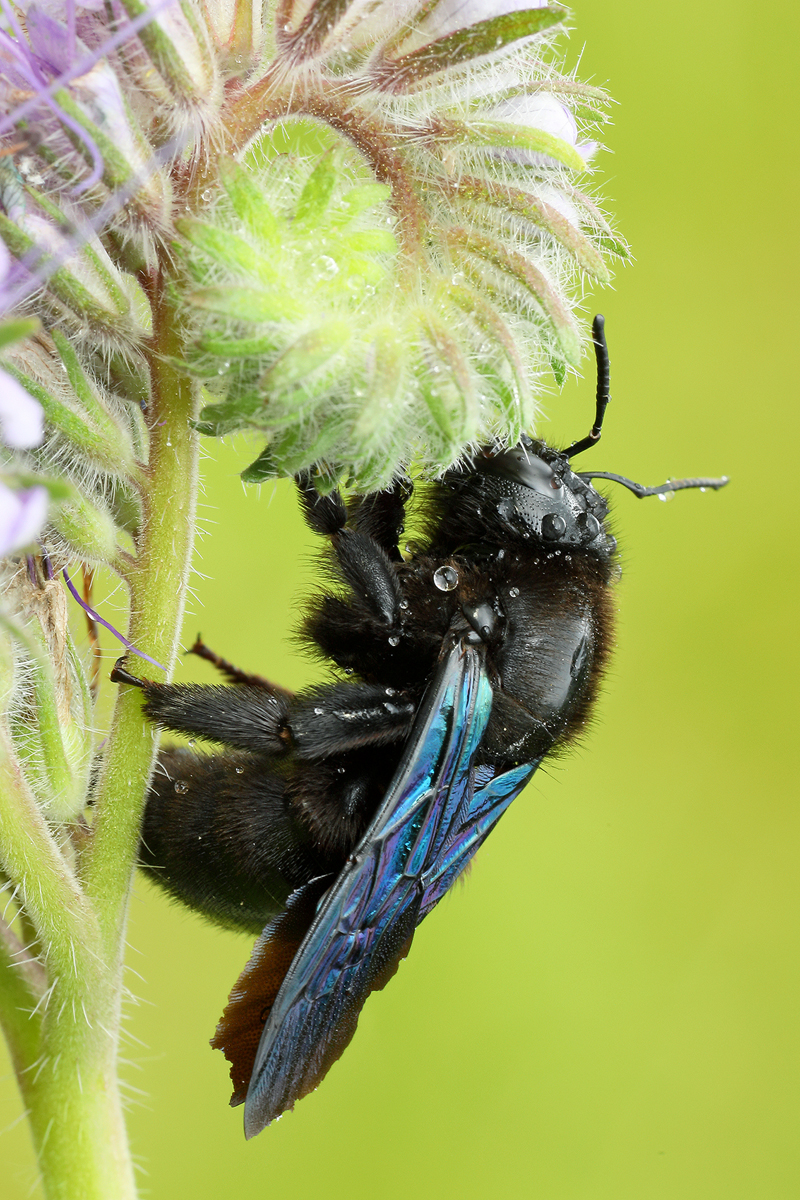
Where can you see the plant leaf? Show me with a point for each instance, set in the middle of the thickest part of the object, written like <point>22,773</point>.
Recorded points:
<point>464,45</point>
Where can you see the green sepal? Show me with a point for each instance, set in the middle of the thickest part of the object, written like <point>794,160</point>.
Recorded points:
<point>52,732</point>
<point>87,528</point>
<point>218,420</point>
<point>262,468</point>
<point>448,393</point>
<point>71,424</point>
<point>164,52</point>
<point>57,488</point>
<point>464,45</point>
<point>321,16</point>
<point>308,354</point>
<point>517,267</point>
<point>297,449</point>
<point>507,135</point>
<point>539,213</point>
<point>559,369</point>
<point>318,190</point>
<point>119,450</point>
<point>246,304</point>
<point>248,202</point>
<point>360,199</point>
<point>17,331</point>
<point>95,261</point>
<point>256,347</point>
<point>151,191</point>
<point>516,401</point>
<point>65,286</point>
<point>227,249</point>
<point>372,241</point>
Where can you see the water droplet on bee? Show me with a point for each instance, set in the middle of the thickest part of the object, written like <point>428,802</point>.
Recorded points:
<point>404,606</point>
<point>394,641</point>
<point>239,770</point>
<point>192,741</point>
<point>445,578</point>
<point>181,787</point>
<point>513,592</point>
<point>318,712</point>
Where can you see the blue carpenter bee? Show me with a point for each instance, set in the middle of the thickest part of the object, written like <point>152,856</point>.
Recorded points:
<point>335,820</point>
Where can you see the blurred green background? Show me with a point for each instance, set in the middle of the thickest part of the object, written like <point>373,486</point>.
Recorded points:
<point>607,1010</point>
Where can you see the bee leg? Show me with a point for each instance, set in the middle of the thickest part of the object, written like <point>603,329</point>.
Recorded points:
<point>362,562</point>
<point>381,516</point>
<point>241,716</point>
<point>234,674</point>
<point>219,835</point>
<point>344,717</point>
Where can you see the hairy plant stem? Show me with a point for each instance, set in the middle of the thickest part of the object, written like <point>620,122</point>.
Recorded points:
<point>66,1056</point>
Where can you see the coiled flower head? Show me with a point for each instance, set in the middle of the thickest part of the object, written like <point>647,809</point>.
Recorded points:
<point>369,216</point>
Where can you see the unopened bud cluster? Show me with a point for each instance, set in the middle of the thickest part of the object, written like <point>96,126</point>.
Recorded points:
<point>368,219</point>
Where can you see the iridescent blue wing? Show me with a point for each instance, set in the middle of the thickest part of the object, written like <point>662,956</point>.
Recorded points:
<point>436,813</point>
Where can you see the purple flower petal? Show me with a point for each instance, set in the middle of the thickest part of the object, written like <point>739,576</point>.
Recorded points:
<point>21,417</point>
<point>50,41</point>
<point>22,515</point>
<point>543,111</point>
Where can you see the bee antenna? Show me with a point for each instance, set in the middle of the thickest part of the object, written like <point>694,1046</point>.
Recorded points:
<point>603,383</point>
<point>672,485</point>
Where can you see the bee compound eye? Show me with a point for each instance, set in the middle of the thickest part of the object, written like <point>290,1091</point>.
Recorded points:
<point>553,527</point>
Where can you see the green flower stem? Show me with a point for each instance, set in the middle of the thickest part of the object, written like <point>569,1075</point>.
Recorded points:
<point>157,581</point>
<point>22,984</point>
<point>66,1056</point>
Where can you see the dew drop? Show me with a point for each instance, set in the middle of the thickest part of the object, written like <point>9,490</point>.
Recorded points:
<point>514,592</point>
<point>181,787</point>
<point>445,578</point>
<point>318,712</point>
<point>239,770</point>
<point>327,266</point>
<point>394,641</point>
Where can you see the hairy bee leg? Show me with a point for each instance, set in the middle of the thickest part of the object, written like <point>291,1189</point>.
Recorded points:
<point>362,562</point>
<point>240,716</point>
<point>219,835</point>
<point>349,716</point>
<point>381,516</point>
<point>326,515</point>
<point>233,673</point>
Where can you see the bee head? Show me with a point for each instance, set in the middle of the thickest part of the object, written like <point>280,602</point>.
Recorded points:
<point>533,494</point>
<point>530,491</point>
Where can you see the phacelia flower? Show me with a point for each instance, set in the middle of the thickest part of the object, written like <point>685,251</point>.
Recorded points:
<point>22,515</point>
<point>367,222</point>
<point>21,417</point>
